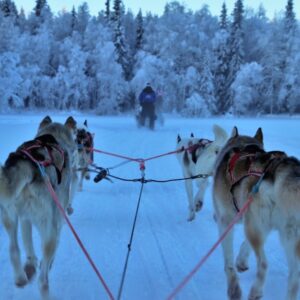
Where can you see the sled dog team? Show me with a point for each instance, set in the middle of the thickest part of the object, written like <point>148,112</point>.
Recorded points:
<point>238,164</point>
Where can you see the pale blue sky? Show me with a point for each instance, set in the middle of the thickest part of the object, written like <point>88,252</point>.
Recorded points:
<point>157,6</point>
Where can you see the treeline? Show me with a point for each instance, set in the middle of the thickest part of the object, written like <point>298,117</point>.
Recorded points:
<point>239,63</point>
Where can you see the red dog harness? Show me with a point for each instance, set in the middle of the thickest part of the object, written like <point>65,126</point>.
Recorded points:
<point>237,156</point>
<point>234,159</point>
<point>30,150</point>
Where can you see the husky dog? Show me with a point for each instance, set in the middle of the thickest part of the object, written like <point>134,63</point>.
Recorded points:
<point>25,197</point>
<point>241,149</point>
<point>198,157</point>
<point>242,164</point>
<point>85,144</point>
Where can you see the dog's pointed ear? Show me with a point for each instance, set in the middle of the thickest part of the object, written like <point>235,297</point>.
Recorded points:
<point>85,123</point>
<point>220,134</point>
<point>71,123</point>
<point>192,135</point>
<point>45,122</point>
<point>178,138</point>
<point>234,132</point>
<point>259,135</point>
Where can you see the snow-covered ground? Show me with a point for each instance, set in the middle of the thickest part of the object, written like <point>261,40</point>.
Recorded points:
<point>165,246</point>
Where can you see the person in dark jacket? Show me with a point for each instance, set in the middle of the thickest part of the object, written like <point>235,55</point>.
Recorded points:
<point>147,99</point>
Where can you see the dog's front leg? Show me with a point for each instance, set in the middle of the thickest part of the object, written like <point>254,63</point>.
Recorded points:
<point>189,191</point>
<point>198,200</point>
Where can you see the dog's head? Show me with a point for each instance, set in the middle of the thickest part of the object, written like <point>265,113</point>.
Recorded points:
<point>241,142</point>
<point>238,149</point>
<point>56,143</point>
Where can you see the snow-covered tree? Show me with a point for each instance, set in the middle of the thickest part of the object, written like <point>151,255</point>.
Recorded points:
<point>257,30</point>
<point>192,56</point>
<point>206,86</point>
<point>63,26</point>
<point>195,106</point>
<point>9,35</point>
<point>39,6</point>
<point>139,31</point>
<point>71,81</point>
<point>247,87</point>
<point>119,41</point>
<point>107,10</point>
<point>74,23</point>
<point>21,21</point>
<point>8,8</point>
<point>289,52</point>
<point>221,64</point>
<point>9,81</point>
<point>236,48</point>
<point>83,17</point>
<point>42,16</point>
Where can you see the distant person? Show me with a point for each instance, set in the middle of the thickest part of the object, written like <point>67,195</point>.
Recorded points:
<point>147,99</point>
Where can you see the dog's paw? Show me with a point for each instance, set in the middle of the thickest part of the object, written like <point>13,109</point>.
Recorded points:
<point>44,289</point>
<point>191,217</point>
<point>30,271</point>
<point>255,294</point>
<point>234,291</point>
<point>242,266</point>
<point>70,210</point>
<point>198,205</point>
<point>21,280</point>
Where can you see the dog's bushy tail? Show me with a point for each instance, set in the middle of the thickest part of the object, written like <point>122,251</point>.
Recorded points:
<point>220,135</point>
<point>14,179</point>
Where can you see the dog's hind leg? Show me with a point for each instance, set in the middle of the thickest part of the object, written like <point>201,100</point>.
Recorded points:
<point>49,239</point>
<point>233,287</point>
<point>243,256</point>
<point>256,234</point>
<point>292,251</point>
<point>31,259</point>
<point>11,225</point>
<point>80,185</point>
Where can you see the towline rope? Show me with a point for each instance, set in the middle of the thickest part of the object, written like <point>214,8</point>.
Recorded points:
<point>131,239</point>
<point>103,173</point>
<point>138,160</point>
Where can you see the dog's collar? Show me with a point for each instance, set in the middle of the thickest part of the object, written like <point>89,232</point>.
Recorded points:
<point>200,144</point>
<point>192,148</point>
